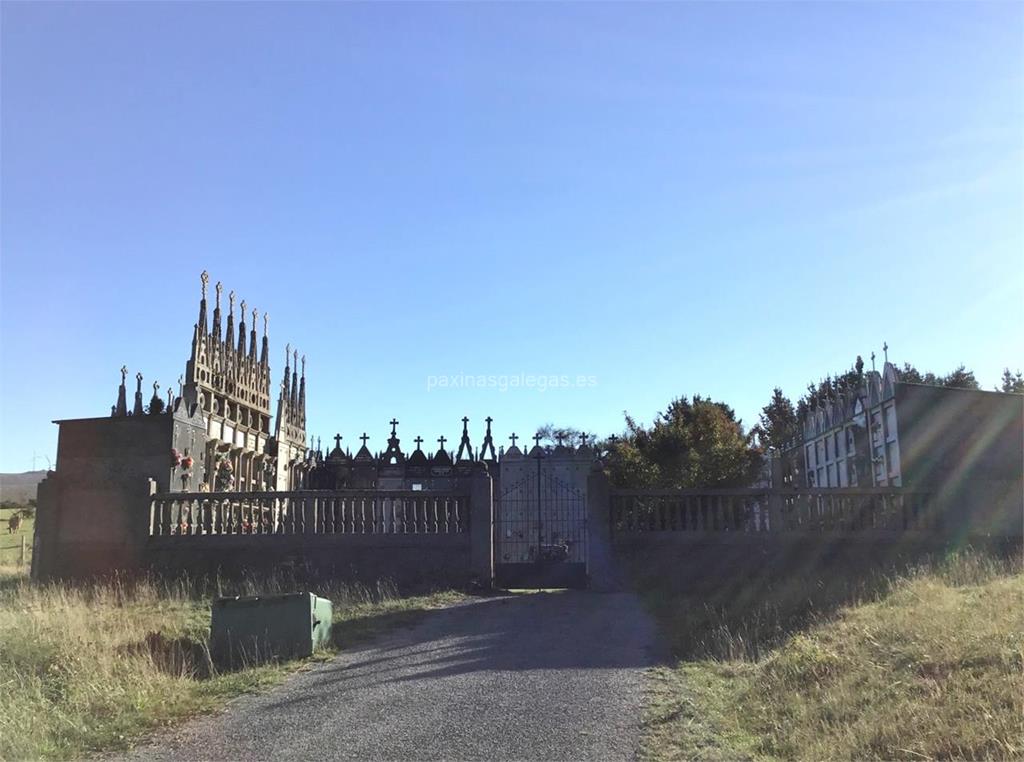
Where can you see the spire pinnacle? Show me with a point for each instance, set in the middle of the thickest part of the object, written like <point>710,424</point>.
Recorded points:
<point>137,409</point>
<point>204,279</point>
<point>121,408</point>
<point>265,350</point>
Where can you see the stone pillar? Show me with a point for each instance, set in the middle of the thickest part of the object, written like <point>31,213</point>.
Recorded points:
<point>601,566</point>
<point>44,542</point>
<point>481,528</point>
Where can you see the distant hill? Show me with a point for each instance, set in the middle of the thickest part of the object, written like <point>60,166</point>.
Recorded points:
<point>20,487</point>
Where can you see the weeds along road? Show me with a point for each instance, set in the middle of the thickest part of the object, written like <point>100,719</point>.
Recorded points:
<point>526,677</point>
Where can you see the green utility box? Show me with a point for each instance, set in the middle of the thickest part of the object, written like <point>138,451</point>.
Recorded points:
<point>252,629</point>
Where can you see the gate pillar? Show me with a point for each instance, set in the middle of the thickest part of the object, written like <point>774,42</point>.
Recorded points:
<point>601,562</point>
<point>481,527</point>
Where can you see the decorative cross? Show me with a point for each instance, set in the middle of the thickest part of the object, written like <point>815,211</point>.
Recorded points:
<point>583,438</point>
<point>124,373</point>
<point>394,424</point>
<point>613,438</point>
<point>536,440</point>
<point>441,440</point>
<point>885,348</point>
<point>513,437</point>
<point>205,278</point>
<point>465,423</point>
<point>337,441</point>
<point>418,440</point>
<point>559,438</point>
<point>364,438</point>
<point>489,420</point>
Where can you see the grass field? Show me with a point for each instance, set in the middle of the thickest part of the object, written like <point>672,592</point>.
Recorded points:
<point>11,544</point>
<point>77,674</point>
<point>922,663</point>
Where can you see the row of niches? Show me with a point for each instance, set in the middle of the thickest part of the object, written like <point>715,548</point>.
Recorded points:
<point>218,382</point>
<point>235,413</point>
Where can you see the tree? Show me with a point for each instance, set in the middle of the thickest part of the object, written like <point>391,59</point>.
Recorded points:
<point>1012,382</point>
<point>550,435</point>
<point>779,424</point>
<point>958,378</point>
<point>697,443</point>
<point>961,378</point>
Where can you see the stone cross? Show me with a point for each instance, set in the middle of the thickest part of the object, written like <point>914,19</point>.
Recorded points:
<point>337,441</point>
<point>394,424</point>
<point>489,421</point>
<point>559,438</point>
<point>441,440</point>
<point>418,440</point>
<point>536,440</point>
<point>583,438</point>
<point>364,438</point>
<point>513,437</point>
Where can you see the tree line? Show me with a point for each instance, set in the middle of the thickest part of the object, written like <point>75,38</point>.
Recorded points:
<point>699,442</point>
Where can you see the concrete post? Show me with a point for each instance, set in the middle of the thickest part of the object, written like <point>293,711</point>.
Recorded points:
<point>601,566</point>
<point>138,501</point>
<point>481,528</point>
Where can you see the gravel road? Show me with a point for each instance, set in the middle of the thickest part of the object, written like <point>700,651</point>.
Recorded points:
<point>538,676</point>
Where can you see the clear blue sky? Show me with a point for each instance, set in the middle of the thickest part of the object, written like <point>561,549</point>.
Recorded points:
<point>671,198</point>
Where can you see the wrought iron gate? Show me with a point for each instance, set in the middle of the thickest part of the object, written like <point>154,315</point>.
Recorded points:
<point>541,533</point>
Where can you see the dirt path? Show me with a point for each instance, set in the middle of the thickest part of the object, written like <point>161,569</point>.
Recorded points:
<point>525,677</point>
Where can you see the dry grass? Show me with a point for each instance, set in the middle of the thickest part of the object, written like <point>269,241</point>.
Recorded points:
<point>76,675</point>
<point>930,666</point>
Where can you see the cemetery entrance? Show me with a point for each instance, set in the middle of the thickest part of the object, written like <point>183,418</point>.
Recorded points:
<point>540,528</point>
